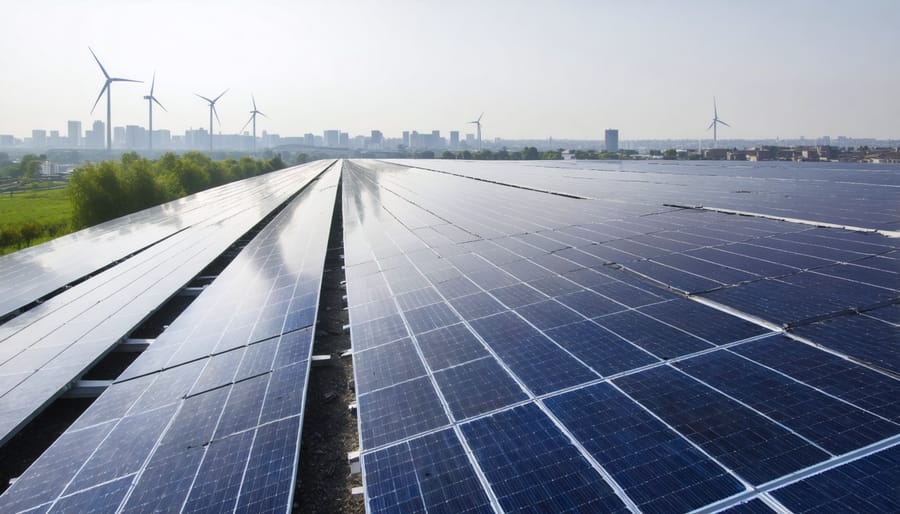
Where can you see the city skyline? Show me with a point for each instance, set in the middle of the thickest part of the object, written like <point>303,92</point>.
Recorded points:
<point>650,69</point>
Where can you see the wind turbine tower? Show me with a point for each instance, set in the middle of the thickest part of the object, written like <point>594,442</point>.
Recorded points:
<point>715,122</point>
<point>150,101</point>
<point>253,114</point>
<point>478,127</point>
<point>107,87</point>
<point>212,111</point>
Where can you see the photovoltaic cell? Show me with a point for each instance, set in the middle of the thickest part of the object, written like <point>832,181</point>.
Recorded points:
<point>267,483</point>
<point>386,365</point>
<point>659,470</point>
<point>865,485</point>
<point>830,423</point>
<point>398,412</point>
<point>477,387</point>
<point>521,449</point>
<point>653,336</point>
<point>730,432</point>
<point>599,348</point>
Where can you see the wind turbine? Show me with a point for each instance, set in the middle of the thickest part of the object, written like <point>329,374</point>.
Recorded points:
<point>253,114</point>
<point>212,110</point>
<point>150,100</point>
<point>478,126</point>
<point>107,87</point>
<point>715,122</point>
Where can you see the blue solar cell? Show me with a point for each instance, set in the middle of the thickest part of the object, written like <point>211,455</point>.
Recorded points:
<point>243,406</point>
<point>397,412</point>
<point>105,498</point>
<point>599,348</point>
<point>728,431</point>
<point>430,317</point>
<point>886,279</point>
<point>456,287</point>
<point>710,270</point>
<point>658,469</point>
<point>521,451</point>
<point>590,304</point>
<point>786,258</point>
<point>517,295</point>
<point>376,332</point>
<point>195,421</point>
<point>608,254</point>
<point>124,450</point>
<point>477,387</point>
<point>556,263</point>
<point>589,278</point>
<point>862,337</point>
<point>386,365</point>
<point>865,485</point>
<point>554,286</point>
<point>429,473</point>
<point>287,389</point>
<point>527,271</point>
<point>888,314</point>
<point>492,279</point>
<point>755,506</point>
<point>47,477</point>
<point>548,314</point>
<point>450,346</point>
<point>476,306</point>
<point>830,423</point>
<point>172,385</point>
<point>294,347</point>
<point>371,311</point>
<point>710,324</point>
<point>628,294</point>
<point>418,298</point>
<point>657,338</point>
<point>166,481</point>
<point>114,402</point>
<point>267,484</point>
<point>219,370</point>
<point>860,386</point>
<point>674,278</point>
<point>774,301</point>
<point>542,365</point>
<point>216,487</point>
<point>741,262</point>
<point>257,359</point>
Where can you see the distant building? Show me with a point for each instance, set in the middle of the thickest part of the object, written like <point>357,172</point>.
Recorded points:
<point>406,138</point>
<point>612,140</point>
<point>344,140</point>
<point>331,138</point>
<point>309,139</point>
<point>118,137</point>
<point>454,139</point>
<point>38,138</point>
<point>74,133</point>
<point>96,137</point>
<point>135,137</point>
<point>7,140</point>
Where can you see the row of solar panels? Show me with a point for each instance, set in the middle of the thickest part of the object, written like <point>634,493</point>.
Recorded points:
<point>209,417</point>
<point>503,364</point>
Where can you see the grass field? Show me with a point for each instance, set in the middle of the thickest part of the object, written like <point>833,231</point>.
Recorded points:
<point>47,208</point>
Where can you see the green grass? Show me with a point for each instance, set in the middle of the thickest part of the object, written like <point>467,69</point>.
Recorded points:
<point>51,207</point>
<point>44,207</point>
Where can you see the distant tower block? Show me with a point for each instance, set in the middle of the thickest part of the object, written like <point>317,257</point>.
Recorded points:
<point>612,140</point>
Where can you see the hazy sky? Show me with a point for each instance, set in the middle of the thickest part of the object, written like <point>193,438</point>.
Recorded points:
<point>565,68</point>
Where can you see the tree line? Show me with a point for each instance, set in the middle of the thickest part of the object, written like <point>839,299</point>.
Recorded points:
<point>106,190</point>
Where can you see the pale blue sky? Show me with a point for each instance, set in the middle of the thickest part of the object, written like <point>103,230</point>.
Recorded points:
<point>567,68</point>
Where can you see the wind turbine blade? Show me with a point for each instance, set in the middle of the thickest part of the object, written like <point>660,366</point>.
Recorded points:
<point>711,124</point>
<point>254,102</point>
<point>220,96</point>
<point>261,114</point>
<point>245,125</point>
<point>723,123</point>
<point>203,97</point>
<point>152,84</point>
<point>98,64</point>
<point>153,98</point>
<point>480,116</point>
<point>103,90</point>
<point>117,79</point>
<point>213,107</point>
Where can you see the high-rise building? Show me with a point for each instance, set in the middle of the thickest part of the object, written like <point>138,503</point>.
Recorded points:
<point>98,135</point>
<point>454,139</point>
<point>406,138</point>
<point>118,137</point>
<point>344,140</point>
<point>135,137</point>
<point>74,133</point>
<point>38,138</point>
<point>309,139</point>
<point>331,138</point>
<point>612,140</point>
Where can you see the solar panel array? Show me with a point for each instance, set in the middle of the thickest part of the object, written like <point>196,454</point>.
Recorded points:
<point>209,417</point>
<point>557,337</point>
<point>45,349</point>
<point>596,349</point>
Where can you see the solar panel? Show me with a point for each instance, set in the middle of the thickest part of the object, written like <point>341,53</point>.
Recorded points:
<point>617,372</point>
<point>172,425</point>
<point>519,349</point>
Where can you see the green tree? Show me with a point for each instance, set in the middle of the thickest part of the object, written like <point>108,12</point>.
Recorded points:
<point>670,154</point>
<point>301,158</point>
<point>530,153</point>
<point>448,155</point>
<point>30,231</point>
<point>552,155</point>
<point>467,155</point>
